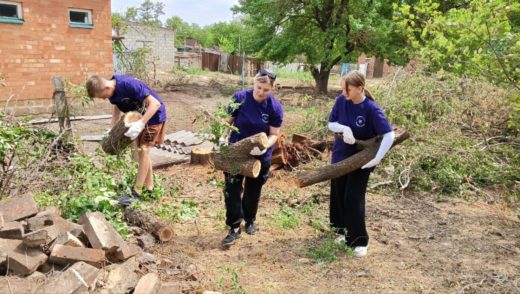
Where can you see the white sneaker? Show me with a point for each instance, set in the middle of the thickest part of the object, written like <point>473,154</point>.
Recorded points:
<point>360,251</point>
<point>340,239</point>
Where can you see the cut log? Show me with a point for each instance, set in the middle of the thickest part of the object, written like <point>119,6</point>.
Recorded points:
<point>202,156</point>
<point>279,157</point>
<point>238,165</point>
<point>244,146</point>
<point>162,231</point>
<point>116,141</point>
<point>354,162</point>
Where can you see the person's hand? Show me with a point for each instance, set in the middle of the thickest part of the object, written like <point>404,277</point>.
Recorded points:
<point>257,152</point>
<point>348,137</point>
<point>134,129</point>
<point>222,141</point>
<point>371,163</point>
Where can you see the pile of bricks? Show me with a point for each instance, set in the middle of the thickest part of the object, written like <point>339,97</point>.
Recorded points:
<point>41,252</point>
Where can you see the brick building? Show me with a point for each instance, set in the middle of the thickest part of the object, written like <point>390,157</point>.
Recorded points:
<point>40,39</point>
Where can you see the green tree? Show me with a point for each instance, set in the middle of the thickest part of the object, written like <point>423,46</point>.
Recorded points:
<point>149,13</point>
<point>325,32</point>
<point>480,38</point>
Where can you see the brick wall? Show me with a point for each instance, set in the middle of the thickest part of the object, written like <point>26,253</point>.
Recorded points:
<point>160,40</point>
<point>45,46</point>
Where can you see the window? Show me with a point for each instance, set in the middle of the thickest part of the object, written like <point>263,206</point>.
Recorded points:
<point>80,18</point>
<point>11,12</point>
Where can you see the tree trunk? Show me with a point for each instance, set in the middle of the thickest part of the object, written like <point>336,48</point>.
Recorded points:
<point>151,224</point>
<point>321,77</point>
<point>202,156</point>
<point>116,141</point>
<point>354,162</point>
<point>238,164</point>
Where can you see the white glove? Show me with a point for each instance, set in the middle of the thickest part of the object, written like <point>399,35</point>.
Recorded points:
<point>257,152</point>
<point>134,129</point>
<point>348,137</point>
<point>371,163</point>
<point>222,141</point>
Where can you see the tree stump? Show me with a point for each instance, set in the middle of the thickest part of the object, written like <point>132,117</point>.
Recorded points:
<point>151,224</point>
<point>354,162</point>
<point>116,141</point>
<point>237,165</point>
<point>202,156</point>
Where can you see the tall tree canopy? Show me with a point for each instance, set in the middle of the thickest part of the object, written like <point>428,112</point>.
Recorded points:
<point>324,31</point>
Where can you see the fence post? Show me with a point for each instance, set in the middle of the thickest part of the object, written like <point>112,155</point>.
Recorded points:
<point>62,108</point>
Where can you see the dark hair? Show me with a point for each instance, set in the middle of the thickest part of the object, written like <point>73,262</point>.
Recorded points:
<point>262,76</point>
<point>356,79</point>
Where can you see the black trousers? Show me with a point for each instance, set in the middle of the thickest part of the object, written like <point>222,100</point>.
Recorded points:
<point>243,207</point>
<point>347,206</point>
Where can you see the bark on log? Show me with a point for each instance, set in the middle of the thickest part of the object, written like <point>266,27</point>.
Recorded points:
<point>162,231</point>
<point>244,146</point>
<point>354,162</point>
<point>62,108</point>
<point>202,156</point>
<point>237,165</point>
<point>116,141</point>
<point>279,157</point>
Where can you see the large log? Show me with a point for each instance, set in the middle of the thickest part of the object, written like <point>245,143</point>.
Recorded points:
<point>116,141</point>
<point>162,231</point>
<point>244,146</point>
<point>354,162</point>
<point>237,164</point>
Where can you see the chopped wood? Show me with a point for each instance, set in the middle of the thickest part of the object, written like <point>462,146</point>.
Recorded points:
<point>202,156</point>
<point>162,231</point>
<point>116,141</point>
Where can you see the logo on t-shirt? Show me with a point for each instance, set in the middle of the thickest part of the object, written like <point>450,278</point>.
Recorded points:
<point>360,121</point>
<point>265,117</point>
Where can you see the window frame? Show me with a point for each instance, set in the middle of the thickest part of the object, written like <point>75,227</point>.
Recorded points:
<point>19,13</point>
<point>81,25</point>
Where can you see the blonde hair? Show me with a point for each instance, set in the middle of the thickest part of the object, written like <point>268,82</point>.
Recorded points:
<point>95,85</point>
<point>356,79</point>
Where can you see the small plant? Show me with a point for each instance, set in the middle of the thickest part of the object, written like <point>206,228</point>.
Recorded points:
<point>327,250</point>
<point>234,279</point>
<point>177,211</point>
<point>286,218</point>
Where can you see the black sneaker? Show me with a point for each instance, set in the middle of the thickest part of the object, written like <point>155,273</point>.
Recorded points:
<point>127,199</point>
<point>250,228</point>
<point>231,237</point>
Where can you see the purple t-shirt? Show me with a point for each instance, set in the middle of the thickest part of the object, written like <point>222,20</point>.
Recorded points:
<point>129,95</point>
<point>252,117</point>
<point>365,119</point>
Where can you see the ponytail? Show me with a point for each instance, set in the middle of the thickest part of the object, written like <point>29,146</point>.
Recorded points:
<point>369,95</point>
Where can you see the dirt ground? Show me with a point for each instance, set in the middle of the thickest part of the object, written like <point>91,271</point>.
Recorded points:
<point>417,245</point>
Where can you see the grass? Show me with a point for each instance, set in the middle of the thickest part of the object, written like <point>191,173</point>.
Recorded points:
<point>327,250</point>
<point>286,218</point>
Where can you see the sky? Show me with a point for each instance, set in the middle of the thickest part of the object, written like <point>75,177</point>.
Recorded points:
<point>202,12</point>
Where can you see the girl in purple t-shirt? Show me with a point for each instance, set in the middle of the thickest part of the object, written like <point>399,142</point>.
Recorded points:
<point>258,112</point>
<point>355,115</point>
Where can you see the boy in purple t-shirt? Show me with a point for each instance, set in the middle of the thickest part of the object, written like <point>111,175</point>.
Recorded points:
<point>355,115</point>
<point>130,94</point>
<point>258,112</point>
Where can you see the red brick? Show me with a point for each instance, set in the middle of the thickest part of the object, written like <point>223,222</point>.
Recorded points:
<point>17,285</point>
<point>18,207</point>
<point>12,230</point>
<point>40,237</point>
<point>76,279</point>
<point>68,255</point>
<point>101,233</point>
<point>148,284</point>
<point>22,260</point>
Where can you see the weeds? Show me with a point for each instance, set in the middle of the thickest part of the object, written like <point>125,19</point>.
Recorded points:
<point>286,218</point>
<point>233,282</point>
<point>327,250</point>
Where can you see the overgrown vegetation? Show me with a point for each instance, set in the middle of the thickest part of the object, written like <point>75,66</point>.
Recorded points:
<point>464,135</point>
<point>326,250</point>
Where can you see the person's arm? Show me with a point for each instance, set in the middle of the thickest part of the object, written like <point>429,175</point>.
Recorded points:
<point>116,115</point>
<point>273,136</point>
<point>386,144</point>
<point>152,105</point>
